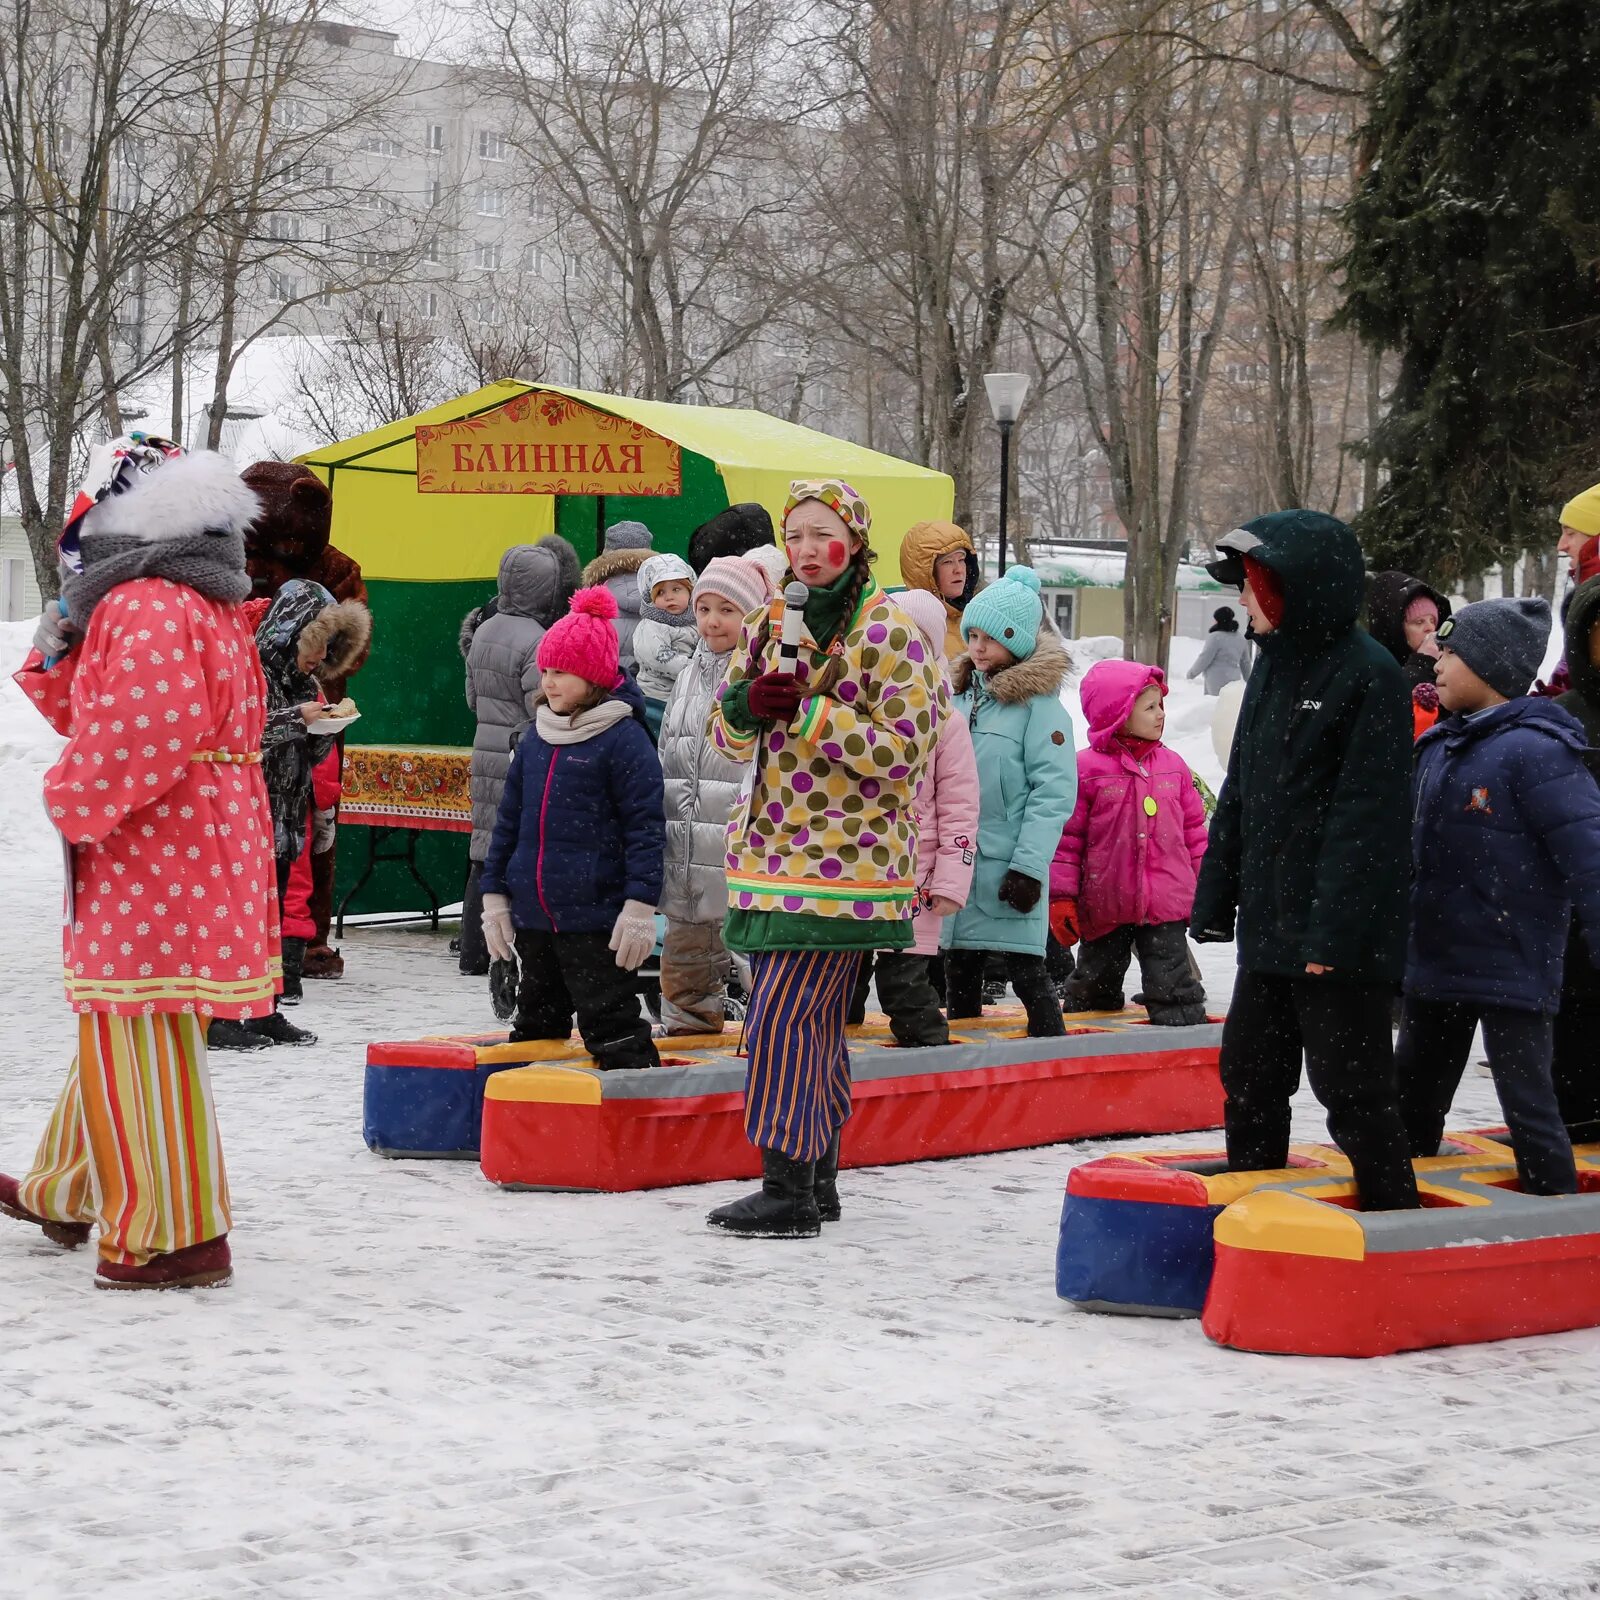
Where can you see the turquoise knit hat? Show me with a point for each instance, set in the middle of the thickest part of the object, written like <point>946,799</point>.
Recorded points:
<point>1009,611</point>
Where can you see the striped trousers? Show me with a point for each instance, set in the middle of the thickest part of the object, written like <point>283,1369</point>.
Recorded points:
<point>132,1143</point>
<point>797,1083</point>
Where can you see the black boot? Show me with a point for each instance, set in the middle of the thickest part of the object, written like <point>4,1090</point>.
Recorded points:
<point>226,1034</point>
<point>278,1029</point>
<point>827,1184</point>
<point>785,1206</point>
<point>294,961</point>
<point>503,989</point>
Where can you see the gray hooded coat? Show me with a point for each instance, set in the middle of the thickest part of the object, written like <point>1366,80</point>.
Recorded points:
<point>536,583</point>
<point>702,785</point>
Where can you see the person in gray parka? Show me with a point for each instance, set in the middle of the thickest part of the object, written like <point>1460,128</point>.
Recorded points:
<point>702,788</point>
<point>537,581</point>
<point>627,548</point>
<point>1227,655</point>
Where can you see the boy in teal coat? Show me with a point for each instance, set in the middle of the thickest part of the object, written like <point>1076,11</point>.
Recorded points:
<point>1008,686</point>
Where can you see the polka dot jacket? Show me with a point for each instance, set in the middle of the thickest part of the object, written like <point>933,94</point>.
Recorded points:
<point>828,829</point>
<point>173,902</point>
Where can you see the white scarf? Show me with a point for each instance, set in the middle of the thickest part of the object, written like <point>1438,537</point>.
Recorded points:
<point>579,725</point>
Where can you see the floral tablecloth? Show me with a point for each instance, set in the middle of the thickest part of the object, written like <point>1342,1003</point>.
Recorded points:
<point>407,786</point>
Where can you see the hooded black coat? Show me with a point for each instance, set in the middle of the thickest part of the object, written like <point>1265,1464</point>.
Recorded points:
<point>732,532</point>
<point>1309,841</point>
<point>1388,595</point>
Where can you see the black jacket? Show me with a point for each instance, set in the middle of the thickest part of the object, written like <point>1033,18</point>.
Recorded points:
<point>1583,701</point>
<point>1309,839</point>
<point>1388,595</point>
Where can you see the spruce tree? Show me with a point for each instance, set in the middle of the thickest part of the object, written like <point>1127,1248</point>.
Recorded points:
<point>1474,246</point>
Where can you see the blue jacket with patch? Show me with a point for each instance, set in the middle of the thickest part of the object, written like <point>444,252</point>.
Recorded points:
<point>1505,841</point>
<point>581,827</point>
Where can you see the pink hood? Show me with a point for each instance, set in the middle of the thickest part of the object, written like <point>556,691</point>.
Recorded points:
<point>1108,691</point>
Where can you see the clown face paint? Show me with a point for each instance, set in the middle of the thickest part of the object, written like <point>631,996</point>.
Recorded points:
<point>818,543</point>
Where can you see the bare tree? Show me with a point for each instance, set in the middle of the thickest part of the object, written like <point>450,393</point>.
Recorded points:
<point>89,210</point>
<point>651,122</point>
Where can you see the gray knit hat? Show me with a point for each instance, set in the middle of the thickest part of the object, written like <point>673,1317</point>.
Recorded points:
<point>1503,641</point>
<point>628,536</point>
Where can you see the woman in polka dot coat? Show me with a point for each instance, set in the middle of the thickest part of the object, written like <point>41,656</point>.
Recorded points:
<point>159,799</point>
<point>822,858</point>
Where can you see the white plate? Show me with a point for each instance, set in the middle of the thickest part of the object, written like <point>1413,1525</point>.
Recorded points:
<point>332,724</point>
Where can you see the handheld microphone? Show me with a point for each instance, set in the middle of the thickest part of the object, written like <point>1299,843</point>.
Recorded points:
<point>794,600</point>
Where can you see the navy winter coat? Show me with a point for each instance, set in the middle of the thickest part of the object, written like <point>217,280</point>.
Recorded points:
<point>1505,839</point>
<point>581,827</point>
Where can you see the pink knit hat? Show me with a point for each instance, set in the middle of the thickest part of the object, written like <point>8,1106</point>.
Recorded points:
<point>743,583</point>
<point>1422,605</point>
<point>584,642</point>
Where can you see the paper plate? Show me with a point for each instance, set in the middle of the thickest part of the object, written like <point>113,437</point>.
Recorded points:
<point>332,724</point>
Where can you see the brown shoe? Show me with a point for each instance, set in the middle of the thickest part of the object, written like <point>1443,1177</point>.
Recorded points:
<point>322,962</point>
<point>69,1235</point>
<point>199,1266</point>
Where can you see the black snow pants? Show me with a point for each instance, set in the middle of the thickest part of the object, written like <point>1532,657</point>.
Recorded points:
<point>964,974</point>
<point>906,994</point>
<point>1342,1031</point>
<point>1575,1058</point>
<point>567,973</point>
<point>1172,991</point>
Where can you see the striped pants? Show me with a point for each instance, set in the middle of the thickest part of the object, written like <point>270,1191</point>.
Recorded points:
<point>797,1085</point>
<point>132,1143</point>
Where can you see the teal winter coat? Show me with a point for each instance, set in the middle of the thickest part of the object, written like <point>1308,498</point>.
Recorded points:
<point>1027,785</point>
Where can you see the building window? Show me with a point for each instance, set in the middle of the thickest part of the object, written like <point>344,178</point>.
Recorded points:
<point>325,295</point>
<point>534,257</point>
<point>430,307</point>
<point>367,200</point>
<point>436,137</point>
<point>486,257</point>
<point>435,192</point>
<point>491,146</point>
<point>292,113</point>
<point>284,225</point>
<point>486,311</point>
<point>327,235</point>
<point>281,288</point>
<point>491,202</point>
<point>430,252</point>
<point>380,144</point>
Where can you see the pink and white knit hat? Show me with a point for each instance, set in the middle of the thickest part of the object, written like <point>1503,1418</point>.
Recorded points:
<point>584,642</point>
<point>741,582</point>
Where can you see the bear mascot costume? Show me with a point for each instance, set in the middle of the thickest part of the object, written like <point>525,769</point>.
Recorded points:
<point>290,540</point>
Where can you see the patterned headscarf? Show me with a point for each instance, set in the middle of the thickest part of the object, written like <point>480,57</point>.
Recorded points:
<point>114,467</point>
<point>837,496</point>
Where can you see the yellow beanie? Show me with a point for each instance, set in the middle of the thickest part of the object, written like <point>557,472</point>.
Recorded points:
<point>1582,512</point>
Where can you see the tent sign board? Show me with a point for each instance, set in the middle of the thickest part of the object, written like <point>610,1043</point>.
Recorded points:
<point>545,443</point>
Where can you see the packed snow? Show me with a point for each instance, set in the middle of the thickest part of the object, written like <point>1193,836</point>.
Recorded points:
<point>419,1385</point>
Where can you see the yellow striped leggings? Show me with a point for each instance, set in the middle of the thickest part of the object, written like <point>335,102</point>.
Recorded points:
<point>133,1141</point>
<point>797,1083</point>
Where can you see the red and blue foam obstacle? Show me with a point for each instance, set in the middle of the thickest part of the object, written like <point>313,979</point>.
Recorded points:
<point>1283,1262</point>
<point>540,1115</point>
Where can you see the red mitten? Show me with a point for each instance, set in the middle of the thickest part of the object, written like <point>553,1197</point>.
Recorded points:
<point>1064,922</point>
<point>775,696</point>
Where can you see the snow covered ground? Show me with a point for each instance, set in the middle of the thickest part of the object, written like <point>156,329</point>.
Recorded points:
<point>421,1386</point>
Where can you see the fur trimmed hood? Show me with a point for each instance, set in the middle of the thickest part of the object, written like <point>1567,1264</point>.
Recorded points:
<point>193,494</point>
<point>614,564</point>
<point>1044,672</point>
<point>345,628</point>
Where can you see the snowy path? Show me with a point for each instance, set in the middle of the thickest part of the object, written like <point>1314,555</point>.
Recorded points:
<point>419,1385</point>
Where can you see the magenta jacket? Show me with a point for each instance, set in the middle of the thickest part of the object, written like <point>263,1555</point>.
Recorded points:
<point>1122,862</point>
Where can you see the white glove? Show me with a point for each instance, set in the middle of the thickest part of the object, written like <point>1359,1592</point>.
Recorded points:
<point>634,935</point>
<point>498,933</point>
<point>54,636</point>
<point>323,825</point>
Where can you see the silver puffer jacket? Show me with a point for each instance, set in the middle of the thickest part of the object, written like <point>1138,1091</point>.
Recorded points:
<point>702,786</point>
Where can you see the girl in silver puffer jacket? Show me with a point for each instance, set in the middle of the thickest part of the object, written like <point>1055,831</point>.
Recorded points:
<point>702,786</point>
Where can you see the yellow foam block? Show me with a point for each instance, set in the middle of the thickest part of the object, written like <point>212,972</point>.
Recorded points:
<point>567,1086</point>
<point>1292,1224</point>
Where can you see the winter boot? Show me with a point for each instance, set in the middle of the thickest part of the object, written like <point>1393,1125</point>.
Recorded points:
<point>503,989</point>
<point>207,1265</point>
<point>784,1207</point>
<point>226,1034</point>
<point>827,1184</point>
<point>69,1235</point>
<point>278,1029</point>
<point>294,960</point>
<point>323,962</point>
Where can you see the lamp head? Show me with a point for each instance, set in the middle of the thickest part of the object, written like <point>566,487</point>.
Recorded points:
<point>1007,392</point>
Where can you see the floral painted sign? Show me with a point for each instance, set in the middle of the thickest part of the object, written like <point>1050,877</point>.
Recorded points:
<point>544,443</point>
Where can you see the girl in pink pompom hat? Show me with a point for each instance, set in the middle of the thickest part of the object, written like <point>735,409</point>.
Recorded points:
<point>574,867</point>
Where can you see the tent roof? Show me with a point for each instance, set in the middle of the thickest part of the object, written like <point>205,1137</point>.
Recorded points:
<point>727,436</point>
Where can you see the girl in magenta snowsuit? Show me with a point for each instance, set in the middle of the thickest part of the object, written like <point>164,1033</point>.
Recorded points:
<point>1124,873</point>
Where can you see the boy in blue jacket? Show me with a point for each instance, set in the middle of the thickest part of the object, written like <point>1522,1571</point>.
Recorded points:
<point>1505,841</point>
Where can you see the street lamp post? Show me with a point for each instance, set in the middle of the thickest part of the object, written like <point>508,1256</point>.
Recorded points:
<point>1007,392</point>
